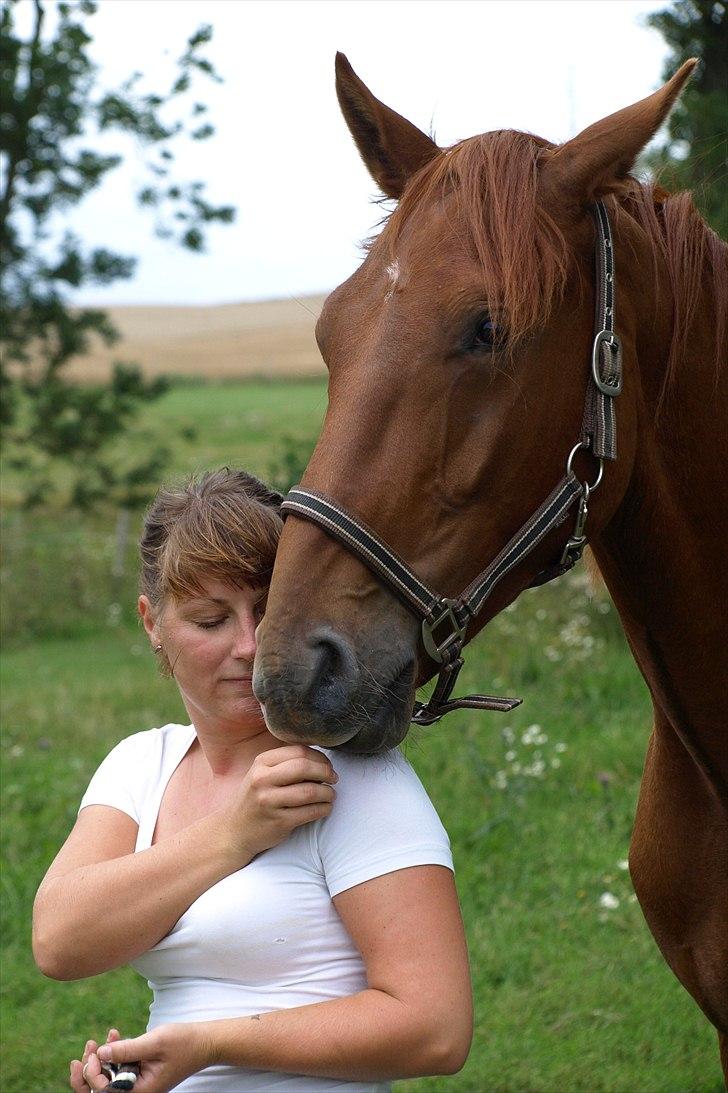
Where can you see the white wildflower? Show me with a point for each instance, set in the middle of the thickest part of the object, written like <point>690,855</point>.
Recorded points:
<point>623,864</point>
<point>608,901</point>
<point>531,734</point>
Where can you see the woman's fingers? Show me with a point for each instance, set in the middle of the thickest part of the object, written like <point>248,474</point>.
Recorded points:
<point>306,814</point>
<point>75,1079</point>
<point>299,770</point>
<point>89,1047</point>
<point>86,1073</point>
<point>297,762</point>
<point>92,1074</point>
<point>300,794</point>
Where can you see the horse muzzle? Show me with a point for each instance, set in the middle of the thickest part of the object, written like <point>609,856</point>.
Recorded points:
<point>316,689</point>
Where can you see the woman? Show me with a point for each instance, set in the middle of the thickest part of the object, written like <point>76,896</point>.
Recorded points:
<point>293,908</point>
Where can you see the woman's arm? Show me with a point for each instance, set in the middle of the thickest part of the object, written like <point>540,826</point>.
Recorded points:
<point>100,904</point>
<point>414,1018</point>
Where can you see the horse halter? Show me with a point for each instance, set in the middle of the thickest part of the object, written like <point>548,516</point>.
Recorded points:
<point>445,620</point>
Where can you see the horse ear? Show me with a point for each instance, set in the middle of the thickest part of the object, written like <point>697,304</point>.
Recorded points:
<point>392,148</point>
<point>598,160</point>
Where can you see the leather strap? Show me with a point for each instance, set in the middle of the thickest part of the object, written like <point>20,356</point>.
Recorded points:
<point>599,425</point>
<point>384,563</point>
<point>445,620</point>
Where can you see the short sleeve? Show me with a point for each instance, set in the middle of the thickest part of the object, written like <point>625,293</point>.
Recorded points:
<point>382,820</point>
<point>120,780</point>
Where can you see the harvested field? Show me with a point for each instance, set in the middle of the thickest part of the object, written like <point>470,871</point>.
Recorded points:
<point>261,338</point>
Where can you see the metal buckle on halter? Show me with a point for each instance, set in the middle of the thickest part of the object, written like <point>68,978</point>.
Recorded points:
<point>427,713</point>
<point>438,648</point>
<point>607,387</point>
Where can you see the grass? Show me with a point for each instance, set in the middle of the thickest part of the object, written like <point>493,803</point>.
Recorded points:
<point>57,570</point>
<point>570,996</point>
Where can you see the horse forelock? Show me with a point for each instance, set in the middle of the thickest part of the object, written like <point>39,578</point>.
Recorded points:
<point>521,252</point>
<point>524,253</point>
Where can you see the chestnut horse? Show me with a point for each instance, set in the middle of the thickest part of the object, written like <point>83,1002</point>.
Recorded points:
<point>459,354</point>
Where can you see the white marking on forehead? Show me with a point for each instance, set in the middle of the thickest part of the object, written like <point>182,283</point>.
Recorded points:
<point>392,272</point>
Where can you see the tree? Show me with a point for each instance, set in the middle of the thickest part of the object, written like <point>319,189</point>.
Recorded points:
<point>51,108</point>
<point>696,154</point>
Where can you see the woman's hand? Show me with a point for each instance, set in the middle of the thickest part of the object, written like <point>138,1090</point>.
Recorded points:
<point>168,1054</point>
<point>283,789</point>
<point>86,1072</point>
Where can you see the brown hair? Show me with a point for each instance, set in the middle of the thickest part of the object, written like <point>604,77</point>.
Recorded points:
<point>525,257</point>
<point>223,525</point>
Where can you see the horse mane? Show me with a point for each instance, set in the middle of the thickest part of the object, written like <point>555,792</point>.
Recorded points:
<point>524,255</point>
<point>693,253</point>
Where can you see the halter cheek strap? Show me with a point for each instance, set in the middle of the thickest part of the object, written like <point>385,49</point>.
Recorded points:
<point>444,620</point>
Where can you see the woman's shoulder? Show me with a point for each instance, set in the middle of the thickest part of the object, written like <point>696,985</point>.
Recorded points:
<point>382,820</point>
<point>377,781</point>
<point>158,742</point>
<point>134,767</point>
<point>390,766</point>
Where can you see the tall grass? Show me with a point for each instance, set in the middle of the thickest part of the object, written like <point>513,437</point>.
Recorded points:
<point>571,993</point>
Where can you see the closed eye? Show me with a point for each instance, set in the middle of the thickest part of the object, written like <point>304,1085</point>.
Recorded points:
<point>210,624</point>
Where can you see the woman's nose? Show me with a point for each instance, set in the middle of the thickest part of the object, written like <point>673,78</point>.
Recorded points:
<point>244,644</point>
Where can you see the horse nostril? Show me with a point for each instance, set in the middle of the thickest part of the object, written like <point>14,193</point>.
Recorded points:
<point>334,675</point>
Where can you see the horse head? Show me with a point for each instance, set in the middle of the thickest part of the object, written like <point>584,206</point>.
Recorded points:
<point>458,357</point>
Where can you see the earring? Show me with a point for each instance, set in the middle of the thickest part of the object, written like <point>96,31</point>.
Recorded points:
<point>157,648</point>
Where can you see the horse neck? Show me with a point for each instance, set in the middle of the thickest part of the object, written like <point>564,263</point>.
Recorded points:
<point>663,554</point>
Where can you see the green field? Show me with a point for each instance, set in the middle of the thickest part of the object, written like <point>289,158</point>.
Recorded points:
<point>571,995</point>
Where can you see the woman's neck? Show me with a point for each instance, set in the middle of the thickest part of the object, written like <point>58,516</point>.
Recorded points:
<point>229,749</point>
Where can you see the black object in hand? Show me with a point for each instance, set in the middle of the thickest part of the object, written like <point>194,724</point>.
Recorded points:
<point>121,1075</point>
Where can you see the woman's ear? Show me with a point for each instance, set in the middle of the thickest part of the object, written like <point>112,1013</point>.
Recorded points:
<point>149,619</point>
<point>393,149</point>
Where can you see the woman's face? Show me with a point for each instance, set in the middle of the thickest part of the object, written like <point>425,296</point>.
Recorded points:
<point>209,641</point>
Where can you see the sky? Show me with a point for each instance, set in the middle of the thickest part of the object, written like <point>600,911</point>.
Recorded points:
<point>282,153</point>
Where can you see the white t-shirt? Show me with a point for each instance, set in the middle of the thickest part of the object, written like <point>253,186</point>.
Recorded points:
<point>268,937</point>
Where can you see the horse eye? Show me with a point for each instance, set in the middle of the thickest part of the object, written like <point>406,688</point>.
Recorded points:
<point>488,334</point>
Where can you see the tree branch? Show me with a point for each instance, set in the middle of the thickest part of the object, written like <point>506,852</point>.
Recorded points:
<point>19,152</point>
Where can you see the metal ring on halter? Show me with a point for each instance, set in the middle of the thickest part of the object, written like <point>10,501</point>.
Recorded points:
<point>589,487</point>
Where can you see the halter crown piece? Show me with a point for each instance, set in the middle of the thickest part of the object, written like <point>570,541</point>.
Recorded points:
<point>444,620</point>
